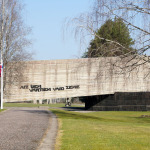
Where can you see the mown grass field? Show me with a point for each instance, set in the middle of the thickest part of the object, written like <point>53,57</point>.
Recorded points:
<point>37,105</point>
<point>103,130</point>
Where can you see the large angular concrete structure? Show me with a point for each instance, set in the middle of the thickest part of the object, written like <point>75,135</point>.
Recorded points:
<point>96,79</point>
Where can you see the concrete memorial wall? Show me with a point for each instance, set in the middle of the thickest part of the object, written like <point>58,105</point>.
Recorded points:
<point>50,79</point>
<point>119,101</point>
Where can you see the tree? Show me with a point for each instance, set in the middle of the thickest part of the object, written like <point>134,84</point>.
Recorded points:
<point>112,30</point>
<point>13,41</point>
<point>134,14</point>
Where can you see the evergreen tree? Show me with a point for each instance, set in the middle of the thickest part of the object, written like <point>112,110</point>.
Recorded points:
<point>112,39</point>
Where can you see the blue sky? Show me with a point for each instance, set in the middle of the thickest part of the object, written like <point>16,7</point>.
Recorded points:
<point>46,18</point>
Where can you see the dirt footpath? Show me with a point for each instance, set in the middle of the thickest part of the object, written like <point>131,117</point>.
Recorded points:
<point>26,129</point>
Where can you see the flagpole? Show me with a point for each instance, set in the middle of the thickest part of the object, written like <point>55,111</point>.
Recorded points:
<point>1,79</point>
<point>2,46</point>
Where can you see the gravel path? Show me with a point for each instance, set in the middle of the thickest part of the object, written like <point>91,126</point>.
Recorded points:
<point>22,128</point>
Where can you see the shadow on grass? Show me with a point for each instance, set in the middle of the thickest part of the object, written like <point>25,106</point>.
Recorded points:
<point>74,108</point>
<point>86,116</point>
<point>73,115</point>
<point>141,119</point>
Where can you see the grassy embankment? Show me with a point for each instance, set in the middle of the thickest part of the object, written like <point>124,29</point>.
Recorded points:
<point>103,130</point>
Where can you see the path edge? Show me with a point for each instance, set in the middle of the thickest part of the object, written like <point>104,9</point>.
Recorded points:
<point>49,138</point>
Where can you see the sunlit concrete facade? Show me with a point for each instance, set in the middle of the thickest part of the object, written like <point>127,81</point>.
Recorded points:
<point>51,79</point>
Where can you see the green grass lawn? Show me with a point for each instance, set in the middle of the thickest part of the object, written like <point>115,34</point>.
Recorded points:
<point>104,130</point>
<point>36,105</point>
<point>2,110</point>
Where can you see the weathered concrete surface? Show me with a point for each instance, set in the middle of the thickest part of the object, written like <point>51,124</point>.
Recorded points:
<point>77,77</point>
<point>22,128</point>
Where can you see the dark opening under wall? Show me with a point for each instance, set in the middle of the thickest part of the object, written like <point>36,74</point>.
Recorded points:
<point>119,101</point>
